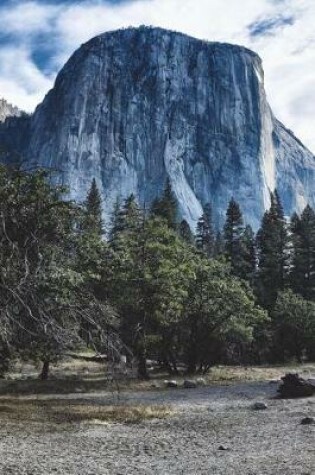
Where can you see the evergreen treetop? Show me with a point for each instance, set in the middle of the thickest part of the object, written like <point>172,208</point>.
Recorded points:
<point>166,206</point>
<point>233,232</point>
<point>273,254</point>
<point>93,210</point>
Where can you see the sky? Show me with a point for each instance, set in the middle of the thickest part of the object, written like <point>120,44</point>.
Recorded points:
<point>38,36</point>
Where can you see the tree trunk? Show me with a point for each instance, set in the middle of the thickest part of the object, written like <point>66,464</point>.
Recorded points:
<point>174,364</point>
<point>142,367</point>
<point>192,361</point>
<point>45,371</point>
<point>166,366</point>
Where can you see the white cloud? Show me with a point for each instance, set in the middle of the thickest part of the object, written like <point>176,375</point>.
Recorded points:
<point>21,82</point>
<point>27,18</point>
<point>288,52</point>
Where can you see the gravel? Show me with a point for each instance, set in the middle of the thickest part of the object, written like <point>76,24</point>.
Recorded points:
<point>269,442</point>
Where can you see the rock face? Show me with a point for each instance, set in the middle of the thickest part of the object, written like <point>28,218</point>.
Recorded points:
<point>135,106</point>
<point>7,110</point>
<point>14,132</point>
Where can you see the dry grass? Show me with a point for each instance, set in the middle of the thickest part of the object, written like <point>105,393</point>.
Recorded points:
<point>121,414</point>
<point>76,376</point>
<point>258,373</point>
<point>36,412</point>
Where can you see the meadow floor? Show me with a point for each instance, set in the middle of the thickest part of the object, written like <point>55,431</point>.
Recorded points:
<point>158,431</point>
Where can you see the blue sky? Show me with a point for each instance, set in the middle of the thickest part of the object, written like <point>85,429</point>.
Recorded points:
<point>38,36</point>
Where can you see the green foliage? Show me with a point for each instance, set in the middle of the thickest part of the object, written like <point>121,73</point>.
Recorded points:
<point>43,295</point>
<point>166,206</point>
<point>293,321</point>
<point>273,254</point>
<point>303,261</point>
<point>147,268</point>
<point>218,249</point>
<point>185,232</point>
<point>247,268</point>
<point>162,288</point>
<point>204,236</point>
<point>220,312</point>
<point>233,233</point>
<point>152,287</point>
<point>92,220</point>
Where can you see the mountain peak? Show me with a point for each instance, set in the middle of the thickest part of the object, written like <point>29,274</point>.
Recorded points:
<point>136,107</point>
<point>8,110</point>
<point>148,32</point>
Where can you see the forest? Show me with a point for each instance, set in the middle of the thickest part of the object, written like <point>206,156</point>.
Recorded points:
<point>145,285</point>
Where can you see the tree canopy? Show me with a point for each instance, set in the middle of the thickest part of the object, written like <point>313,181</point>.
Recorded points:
<point>150,288</point>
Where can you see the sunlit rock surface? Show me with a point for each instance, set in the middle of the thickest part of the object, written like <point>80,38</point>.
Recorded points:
<point>135,106</point>
<point>7,110</point>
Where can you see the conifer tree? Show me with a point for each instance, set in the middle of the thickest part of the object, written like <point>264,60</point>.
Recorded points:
<point>219,247</point>
<point>126,220</point>
<point>185,232</point>
<point>204,236</point>
<point>166,206</point>
<point>131,214</point>
<point>303,262</point>
<point>233,233</point>
<point>116,221</point>
<point>273,255</point>
<point>209,214</point>
<point>93,207</point>
<point>211,233</point>
<point>248,255</point>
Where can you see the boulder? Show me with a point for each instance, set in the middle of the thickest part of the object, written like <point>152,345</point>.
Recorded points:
<point>294,386</point>
<point>190,384</point>
<point>306,421</point>
<point>259,406</point>
<point>171,384</point>
<point>201,382</point>
<point>222,447</point>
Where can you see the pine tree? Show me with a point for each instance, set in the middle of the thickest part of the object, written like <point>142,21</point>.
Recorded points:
<point>248,255</point>
<point>272,240</point>
<point>126,220</point>
<point>303,262</point>
<point>185,232</point>
<point>204,236</point>
<point>93,210</point>
<point>125,216</point>
<point>166,206</point>
<point>211,233</point>
<point>219,246</point>
<point>233,233</point>
<point>116,220</point>
<point>131,214</point>
<point>208,213</point>
<point>146,275</point>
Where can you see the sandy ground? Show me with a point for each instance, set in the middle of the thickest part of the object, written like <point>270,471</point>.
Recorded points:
<point>187,442</point>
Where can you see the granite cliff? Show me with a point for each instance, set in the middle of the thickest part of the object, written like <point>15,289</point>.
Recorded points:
<point>133,107</point>
<point>7,110</point>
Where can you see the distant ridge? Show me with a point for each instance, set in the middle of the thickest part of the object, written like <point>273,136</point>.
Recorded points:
<point>8,110</point>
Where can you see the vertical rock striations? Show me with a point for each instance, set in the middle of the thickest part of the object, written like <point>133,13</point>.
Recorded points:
<point>135,106</point>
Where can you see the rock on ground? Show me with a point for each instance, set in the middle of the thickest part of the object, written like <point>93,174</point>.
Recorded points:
<point>271,442</point>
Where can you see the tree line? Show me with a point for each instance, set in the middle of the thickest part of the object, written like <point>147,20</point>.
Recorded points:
<point>148,286</point>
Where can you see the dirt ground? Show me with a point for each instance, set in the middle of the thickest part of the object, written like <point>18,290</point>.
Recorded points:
<point>207,430</point>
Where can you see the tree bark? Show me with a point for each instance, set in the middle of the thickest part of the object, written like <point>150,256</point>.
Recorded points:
<point>45,371</point>
<point>142,367</point>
